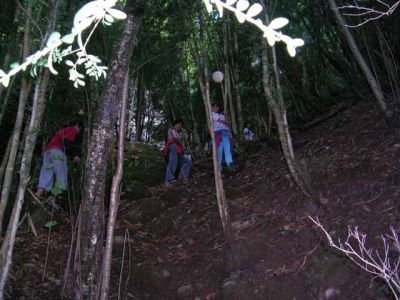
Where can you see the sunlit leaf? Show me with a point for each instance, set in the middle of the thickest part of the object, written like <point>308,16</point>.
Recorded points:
<point>291,50</point>
<point>5,81</point>
<point>209,7</point>
<point>117,14</point>
<point>69,63</point>
<point>68,39</point>
<point>109,18</point>
<point>278,23</point>
<point>50,64</point>
<point>270,38</point>
<point>53,38</point>
<point>220,9</point>
<point>242,5</point>
<point>254,10</point>
<point>2,73</point>
<point>240,17</point>
<point>83,24</point>
<point>298,42</point>
<point>230,2</point>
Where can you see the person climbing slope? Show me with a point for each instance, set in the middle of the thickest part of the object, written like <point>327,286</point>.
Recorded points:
<point>223,137</point>
<point>55,155</point>
<point>248,134</point>
<point>174,150</point>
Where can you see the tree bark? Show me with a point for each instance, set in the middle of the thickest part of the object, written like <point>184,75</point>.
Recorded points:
<point>114,198</point>
<point>23,96</point>
<point>92,217</point>
<point>4,163</point>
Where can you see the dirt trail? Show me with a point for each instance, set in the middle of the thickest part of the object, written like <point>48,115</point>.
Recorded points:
<point>170,246</point>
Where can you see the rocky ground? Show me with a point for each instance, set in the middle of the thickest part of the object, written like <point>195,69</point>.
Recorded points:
<point>169,244</point>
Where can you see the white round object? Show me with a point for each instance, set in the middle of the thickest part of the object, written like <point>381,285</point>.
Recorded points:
<point>218,76</point>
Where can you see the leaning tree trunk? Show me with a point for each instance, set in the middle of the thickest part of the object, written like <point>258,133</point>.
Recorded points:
<point>92,216</point>
<point>38,108</point>
<point>279,111</point>
<point>15,137</point>
<point>392,118</point>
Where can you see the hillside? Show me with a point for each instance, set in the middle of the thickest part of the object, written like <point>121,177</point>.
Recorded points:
<point>170,245</point>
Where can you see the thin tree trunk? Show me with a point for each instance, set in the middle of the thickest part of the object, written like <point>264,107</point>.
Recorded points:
<point>203,78</point>
<point>141,103</point>
<point>236,82</point>
<point>391,117</point>
<point>4,162</point>
<point>278,109</point>
<point>38,108</point>
<point>231,106</point>
<point>24,92</point>
<point>114,198</point>
<point>92,216</point>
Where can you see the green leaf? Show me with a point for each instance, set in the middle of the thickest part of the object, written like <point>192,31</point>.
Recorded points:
<point>14,65</point>
<point>68,39</point>
<point>51,223</point>
<point>105,23</point>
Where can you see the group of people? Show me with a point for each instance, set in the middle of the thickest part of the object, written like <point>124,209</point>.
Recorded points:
<point>174,150</point>
<point>62,145</point>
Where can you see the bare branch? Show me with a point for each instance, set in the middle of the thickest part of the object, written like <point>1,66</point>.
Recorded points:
<point>379,263</point>
<point>381,8</point>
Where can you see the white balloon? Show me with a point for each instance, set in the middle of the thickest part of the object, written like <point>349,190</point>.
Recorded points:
<point>218,76</point>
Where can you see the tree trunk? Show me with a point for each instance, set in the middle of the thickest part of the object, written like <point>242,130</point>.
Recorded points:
<point>279,111</point>
<point>141,105</point>
<point>114,198</point>
<point>23,96</point>
<point>38,108</point>
<point>203,78</point>
<point>236,81</point>
<point>4,162</point>
<point>92,216</point>
<point>231,106</point>
<point>390,115</point>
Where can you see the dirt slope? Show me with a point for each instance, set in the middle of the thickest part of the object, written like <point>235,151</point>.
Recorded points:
<point>170,246</point>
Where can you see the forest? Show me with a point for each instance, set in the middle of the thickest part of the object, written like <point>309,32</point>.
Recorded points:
<point>208,149</point>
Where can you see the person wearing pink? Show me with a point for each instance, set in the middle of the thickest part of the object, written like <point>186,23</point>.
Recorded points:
<point>54,162</point>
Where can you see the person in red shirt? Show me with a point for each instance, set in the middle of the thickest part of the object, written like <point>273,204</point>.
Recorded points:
<point>55,155</point>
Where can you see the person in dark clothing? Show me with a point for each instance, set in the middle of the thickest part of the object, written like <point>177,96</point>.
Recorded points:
<point>60,146</point>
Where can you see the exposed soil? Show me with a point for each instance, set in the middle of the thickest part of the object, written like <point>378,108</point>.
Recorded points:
<point>171,246</point>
